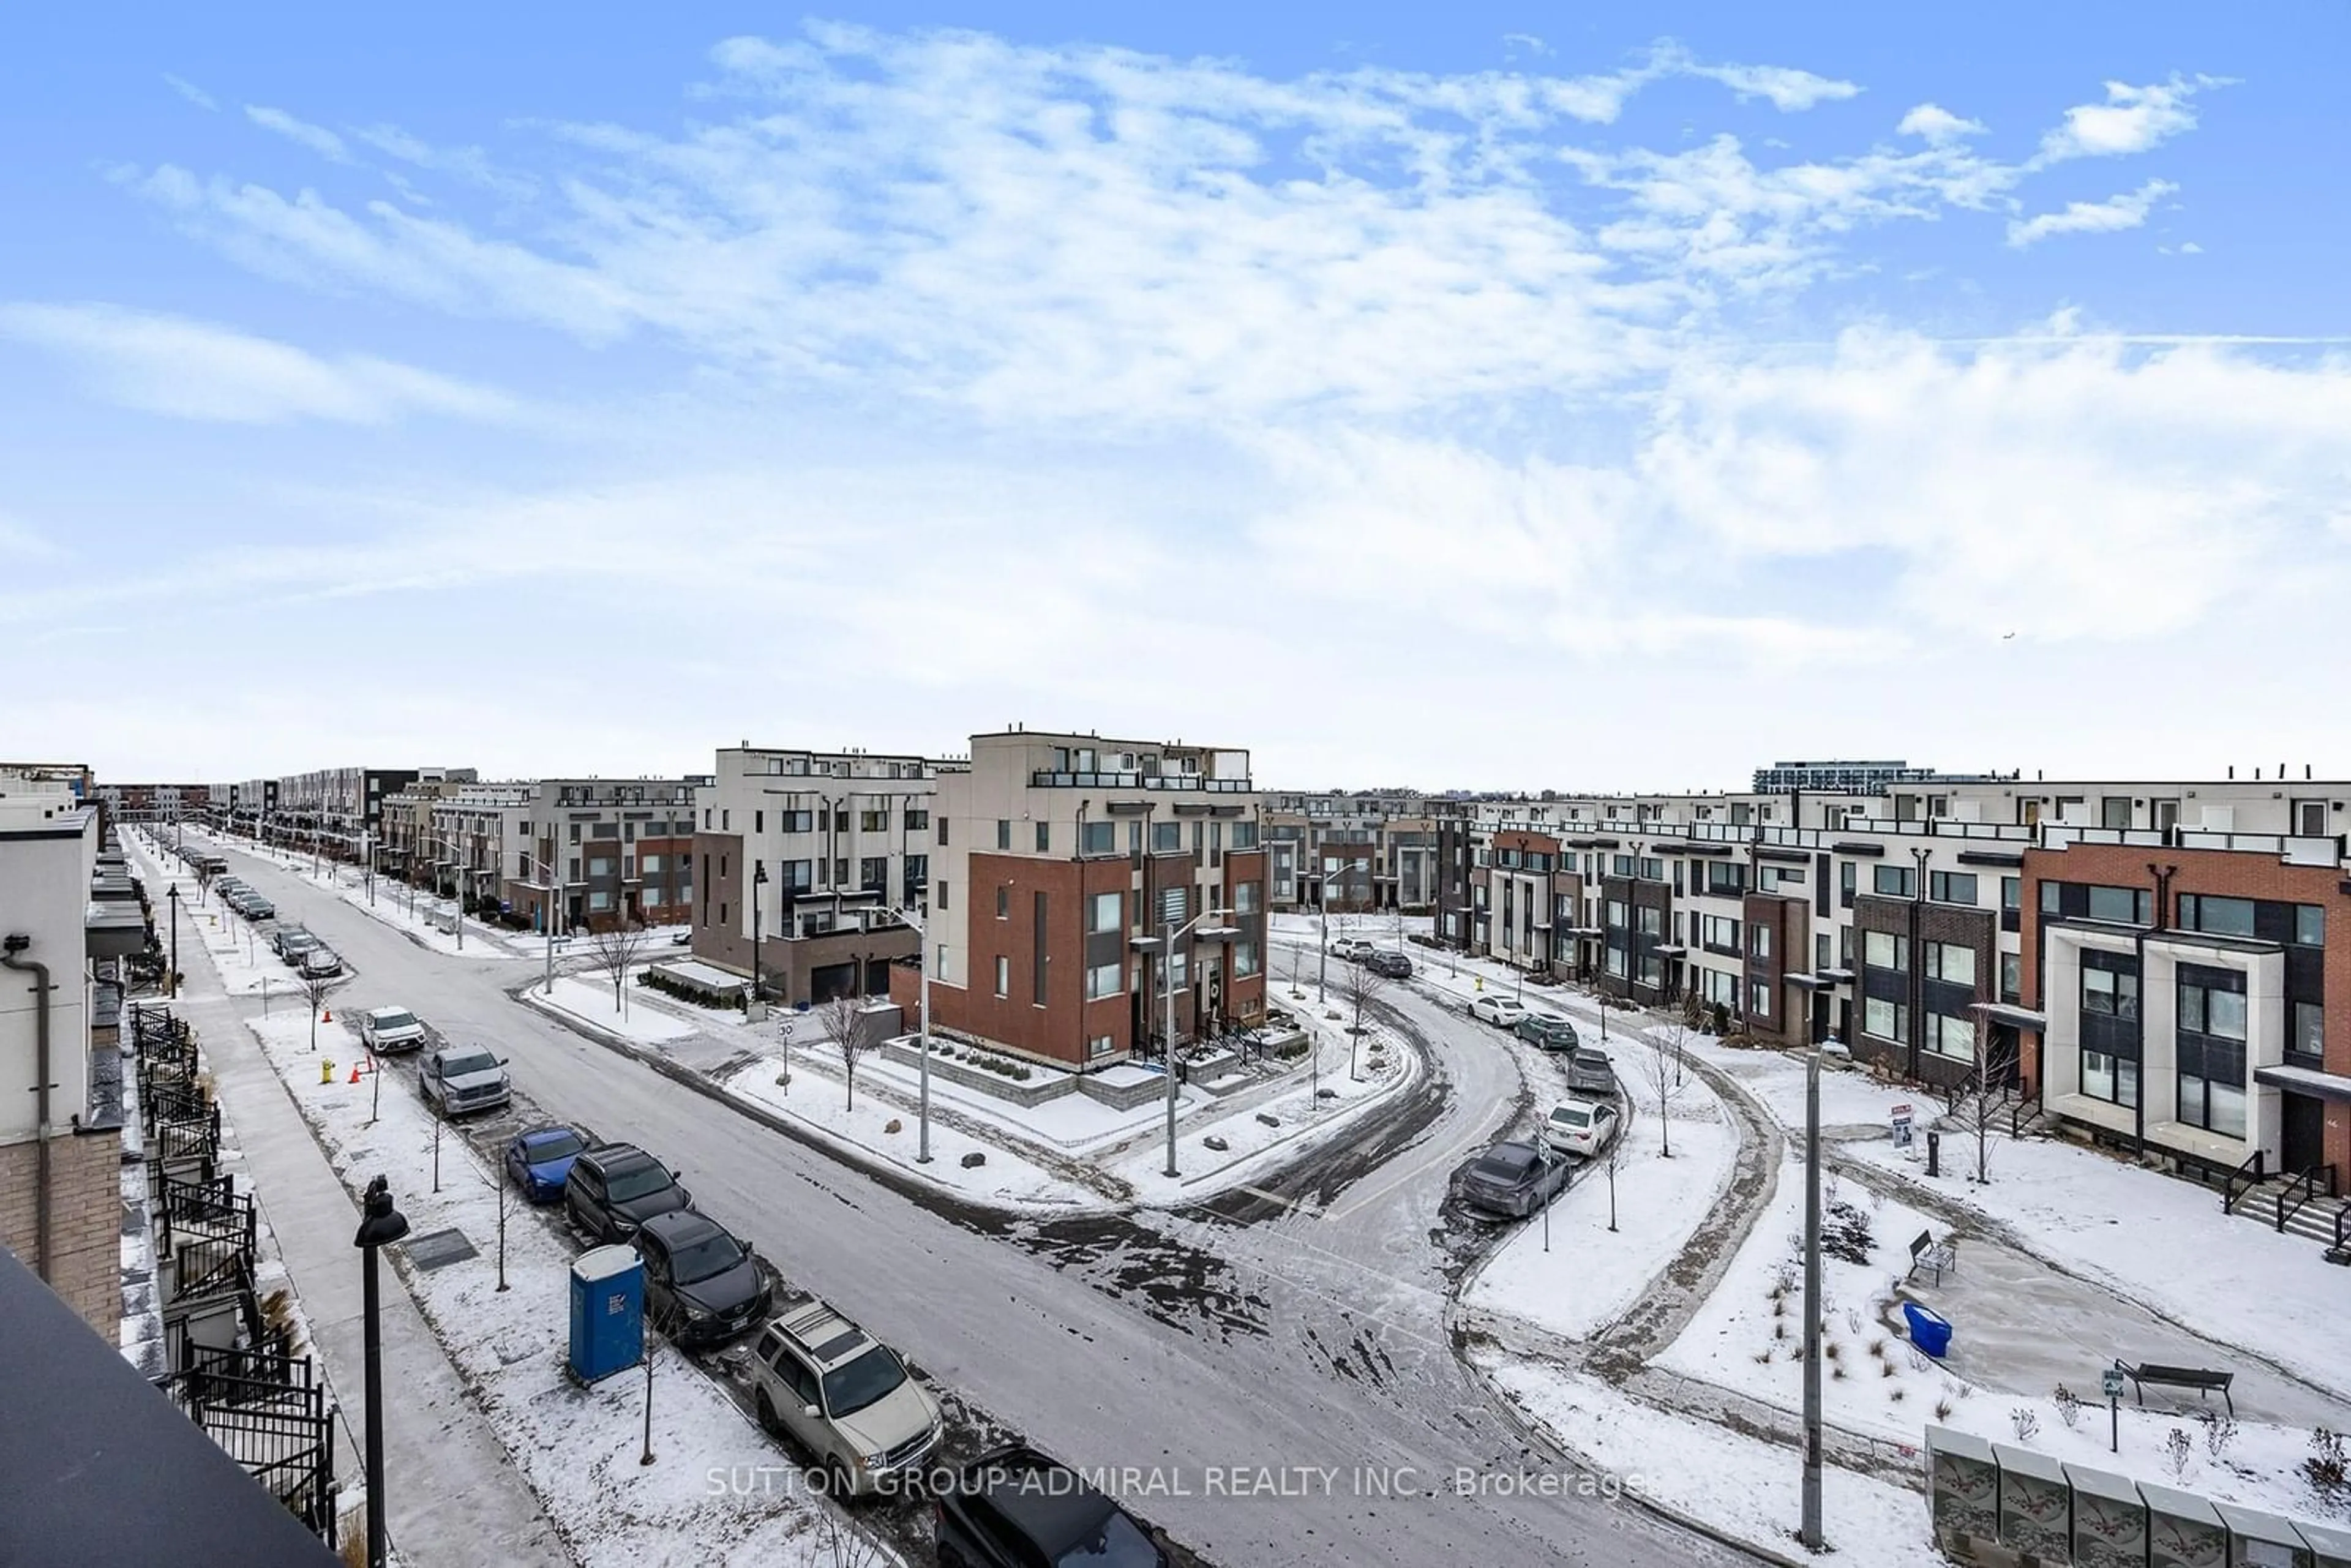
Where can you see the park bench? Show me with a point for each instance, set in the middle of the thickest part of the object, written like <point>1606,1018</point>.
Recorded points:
<point>2202,1380</point>
<point>1926,1252</point>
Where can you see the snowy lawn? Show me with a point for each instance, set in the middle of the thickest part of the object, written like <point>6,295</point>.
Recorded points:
<point>578,1449</point>
<point>1592,1274</point>
<point>1848,1097</point>
<point>1740,1484</point>
<point>818,1099</point>
<point>1071,1122</point>
<point>591,1002</point>
<point>2156,1239</point>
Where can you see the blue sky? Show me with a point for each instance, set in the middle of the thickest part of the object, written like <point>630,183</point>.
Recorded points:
<point>1465,395</point>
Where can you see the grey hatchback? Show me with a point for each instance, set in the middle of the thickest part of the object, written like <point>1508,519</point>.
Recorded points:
<point>1515,1177</point>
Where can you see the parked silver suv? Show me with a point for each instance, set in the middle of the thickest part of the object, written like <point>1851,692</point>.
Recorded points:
<point>843,1397</point>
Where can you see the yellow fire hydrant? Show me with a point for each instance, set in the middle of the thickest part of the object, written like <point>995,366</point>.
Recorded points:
<point>325,1071</point>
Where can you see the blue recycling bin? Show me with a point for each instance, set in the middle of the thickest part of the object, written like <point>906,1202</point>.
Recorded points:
<point>1930,1330</point>
<point>608,1313</point>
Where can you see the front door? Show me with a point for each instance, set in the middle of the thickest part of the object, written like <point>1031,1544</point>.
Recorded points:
<point>2302,1133</point>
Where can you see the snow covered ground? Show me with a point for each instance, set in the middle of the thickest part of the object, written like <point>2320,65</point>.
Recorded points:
<point>1592,1274</point>
<point>592,1002</point>
<point>577,1448</point>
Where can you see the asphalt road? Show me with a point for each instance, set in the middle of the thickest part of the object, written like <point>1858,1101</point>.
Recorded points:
<point>1266,1366</point>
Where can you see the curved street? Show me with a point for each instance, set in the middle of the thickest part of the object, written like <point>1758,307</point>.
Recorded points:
<point>1300,1332</point>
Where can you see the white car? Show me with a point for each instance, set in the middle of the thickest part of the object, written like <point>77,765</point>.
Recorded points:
<point>387,1031</point>
<point>1352,948</point>
<point>1499,1010</point>
<point>1584,1127</point>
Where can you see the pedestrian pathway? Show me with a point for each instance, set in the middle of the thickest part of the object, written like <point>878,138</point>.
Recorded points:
<point>451,1494</point>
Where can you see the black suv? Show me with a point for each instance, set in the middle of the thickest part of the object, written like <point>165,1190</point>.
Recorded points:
<point>1015,1507</point>
<point>702,1286</point>
<point>1394,966</point>
<point>614,1189</point>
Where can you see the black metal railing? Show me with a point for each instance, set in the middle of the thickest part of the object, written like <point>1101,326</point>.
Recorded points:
<point>270,1416</point>
<point>2250,1173</point>
<point>2343,1229</point>
<point>2027,1107</point>
<point>2301,1190</point>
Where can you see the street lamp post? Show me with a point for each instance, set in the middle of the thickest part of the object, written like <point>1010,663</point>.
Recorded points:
<point>1813,1305</point>
<point>174,896</point>
<point>754,1011</point>
<point>382,1223</point>
<point>1164,943</point>
<point>923,1110</point>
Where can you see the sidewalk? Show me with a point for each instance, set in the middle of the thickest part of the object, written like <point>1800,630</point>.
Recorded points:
<point>451,1494</point>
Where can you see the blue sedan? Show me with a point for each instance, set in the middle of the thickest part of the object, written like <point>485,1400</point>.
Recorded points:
<point>540,1158</point>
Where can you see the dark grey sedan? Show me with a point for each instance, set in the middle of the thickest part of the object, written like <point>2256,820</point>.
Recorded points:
<point>1515,1178</point>
<point>702,1286</point>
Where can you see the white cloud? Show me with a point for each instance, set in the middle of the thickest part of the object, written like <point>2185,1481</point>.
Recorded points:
<point>193,370</point>
<point>2126,210</point>
<point>1935,124</point>
<point>2132,119</point>
<point>191,91</point>
<point>317,138</point>
<point>1788,90</point>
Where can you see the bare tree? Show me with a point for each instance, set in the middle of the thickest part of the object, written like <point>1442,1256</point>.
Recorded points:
<point>315,990</point>
<point>1359,986</point>
<point>1973,1103</point>
<point>615,950</point>
<point>1661,1069</point>
<point>204,875</point>
<point>839,1017</point>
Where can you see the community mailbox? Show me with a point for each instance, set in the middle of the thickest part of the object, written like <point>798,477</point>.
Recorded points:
<point>608,1313</point>
<point>2109,1520</point>
<point>2035,1504</point>
<point>2183,1530</point>
<point>2257,1540</point>
<point>1962,1492</point>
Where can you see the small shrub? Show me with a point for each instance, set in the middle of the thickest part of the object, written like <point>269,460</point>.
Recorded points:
<point>1779,1329</point>
<point>1878,1348</point>
<point>1837,1372</point>
<point>1852,1320</point>
<point>1833,1351</point>
<point>2025,1422</point>
<point>2178,1452</point>
<point>2220,1431</point>
<point>1778,1306</point>
<point>1942,1409</point>
<point>1895,1395</point>
<point>1762,1358</point>
<point>1886,1369</point>
<point>2328,1468</point>
<point>1920,1360</point>
<point>2069,1409</point>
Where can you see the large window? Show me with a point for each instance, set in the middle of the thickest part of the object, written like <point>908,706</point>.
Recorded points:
<point>2109,992</point>
<point>1885,1020</point>
<point>1718,932</point>
<point>1167,838</point>
<point>1106,980</point>
<point>2217,916</point>
<point>2307,1035</point>
<point>1616,915</point>
<point>1244,835</point>
<point>2122,905</point>
<point>1244,960</point>
<point>1106,912</point>
<point>1894,881</point>
<point>873,821</point>
<point>1098,839</point>
<point>2011,976</point>
<point>1003,833</point>
<point>2309,926</point>
<point>1952,961</point>
<point>1884,950</point>
<point>1245,898</point>
<point>873,872</point>
<point>1759,941</point>
<point>1951,1037</point>
<point>1951,886</point>
<point>1716,986</point>
<point>1652,921</point>
<point>2114,1079</point>
<point>2011,892</point>
<point>2212,1050</point>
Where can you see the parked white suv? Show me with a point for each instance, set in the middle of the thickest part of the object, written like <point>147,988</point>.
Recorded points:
<point>1352,948</point>
<point>843,1397</point>
<point>388,1030</point>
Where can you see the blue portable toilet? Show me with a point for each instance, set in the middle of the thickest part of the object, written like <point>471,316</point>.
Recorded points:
<point>1930,1330</point>
<point>608,1313</point>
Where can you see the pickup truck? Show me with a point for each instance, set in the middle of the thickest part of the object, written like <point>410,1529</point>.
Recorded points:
<point>1589,1072</point>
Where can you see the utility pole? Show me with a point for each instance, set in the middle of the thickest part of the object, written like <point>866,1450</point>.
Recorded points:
<point>1811,1534</point>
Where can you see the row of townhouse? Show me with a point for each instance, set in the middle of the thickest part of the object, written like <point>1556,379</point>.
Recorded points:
<point>2164,965</point>
<point>1040,876</point>
<point>1351,851</point>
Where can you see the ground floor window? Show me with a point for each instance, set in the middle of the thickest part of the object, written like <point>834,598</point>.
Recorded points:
<point>1716,986</point>
<point>1105,979</point>
<point>2114,1079</point>
<point>2212,1085</point>
<point>1885,1020</point>
<point>1951,1037</point>
<point>1616,962</point>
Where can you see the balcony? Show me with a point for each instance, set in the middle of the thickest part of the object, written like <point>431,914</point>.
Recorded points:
<point>1044,779</point>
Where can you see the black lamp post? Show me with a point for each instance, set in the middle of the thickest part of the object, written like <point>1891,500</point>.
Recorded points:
<point>172,897</point>
<point>380,1224</point>
<point>751,1012</point>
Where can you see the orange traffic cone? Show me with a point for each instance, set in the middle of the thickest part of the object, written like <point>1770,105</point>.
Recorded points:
<point>327,1016</point>
<point>355,1072</point>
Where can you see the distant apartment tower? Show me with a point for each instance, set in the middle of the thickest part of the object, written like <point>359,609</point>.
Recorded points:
<point>1051,854</point>
<point>813,852</point>
<point>1839,777</point>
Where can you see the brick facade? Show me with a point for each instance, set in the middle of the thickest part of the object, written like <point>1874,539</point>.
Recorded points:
<point>85,1221</point>
<point>1920,922</point>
